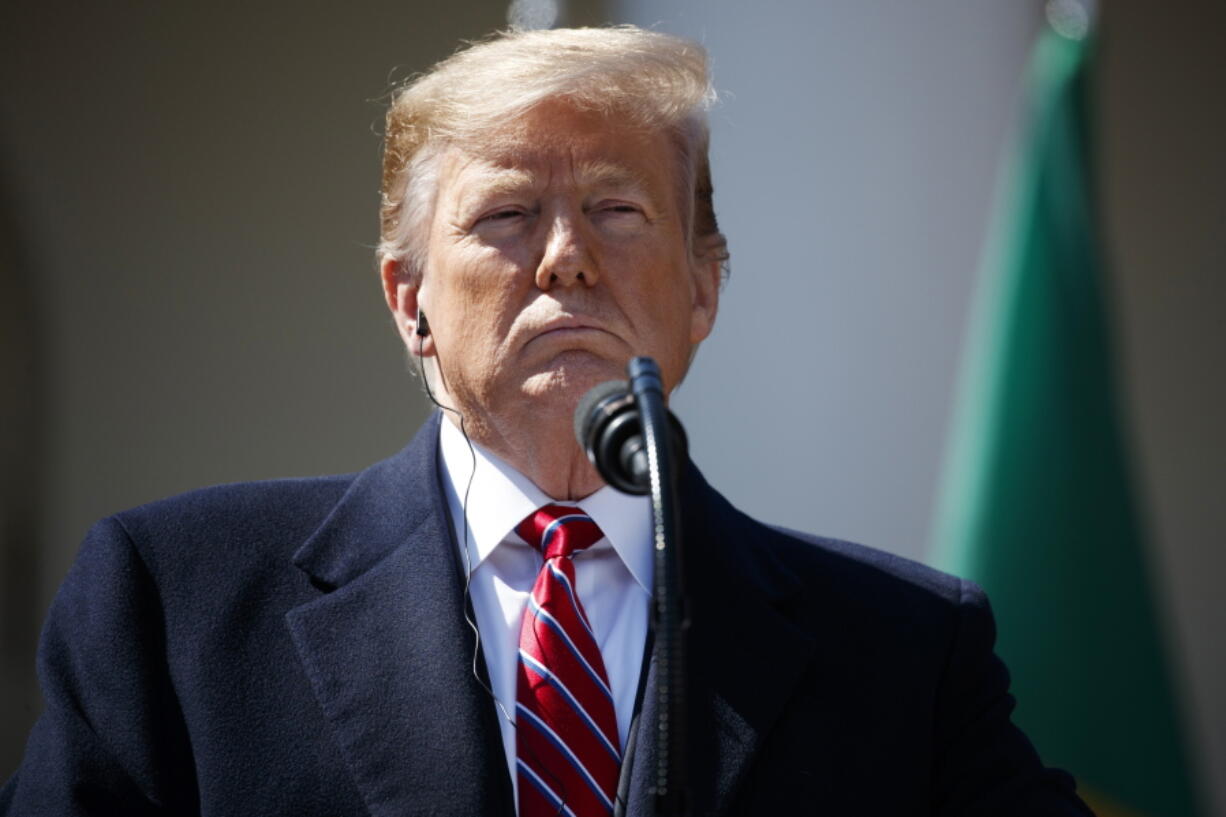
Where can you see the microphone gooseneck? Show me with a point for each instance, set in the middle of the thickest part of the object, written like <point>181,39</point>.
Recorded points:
<point>637,445</point>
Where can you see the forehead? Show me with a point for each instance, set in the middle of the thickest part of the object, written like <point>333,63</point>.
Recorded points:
<point>586,148</point>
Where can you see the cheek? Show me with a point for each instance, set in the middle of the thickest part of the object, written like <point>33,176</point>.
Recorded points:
<point>667,284</point>
<point>656,264</point>
<point>484,302</point>
<point>480,276</point>
<point>664,296</point>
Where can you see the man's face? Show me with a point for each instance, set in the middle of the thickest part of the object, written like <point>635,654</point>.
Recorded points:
<point>555,258</point>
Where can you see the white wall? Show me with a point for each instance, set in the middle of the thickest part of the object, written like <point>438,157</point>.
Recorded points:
<point>854,154</point>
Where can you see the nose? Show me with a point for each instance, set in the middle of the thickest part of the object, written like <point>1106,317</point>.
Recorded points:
<point>568,258</point>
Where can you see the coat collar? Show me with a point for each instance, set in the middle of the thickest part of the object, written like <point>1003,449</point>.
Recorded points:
<point>383,504</point>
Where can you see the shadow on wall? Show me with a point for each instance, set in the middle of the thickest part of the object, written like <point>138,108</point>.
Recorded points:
<point>22,410</point>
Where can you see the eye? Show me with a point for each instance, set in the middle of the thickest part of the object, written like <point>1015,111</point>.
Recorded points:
<point>505,214</point>
<point>617,209</point>
<point>501,221</point>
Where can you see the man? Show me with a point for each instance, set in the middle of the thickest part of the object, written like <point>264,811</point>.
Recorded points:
<point>462,629</point>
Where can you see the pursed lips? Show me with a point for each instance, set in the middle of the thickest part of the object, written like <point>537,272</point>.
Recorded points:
<point>562,327</point>
<point>567,323</point>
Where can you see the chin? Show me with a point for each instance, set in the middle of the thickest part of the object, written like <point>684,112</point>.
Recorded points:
<point>569,376</point>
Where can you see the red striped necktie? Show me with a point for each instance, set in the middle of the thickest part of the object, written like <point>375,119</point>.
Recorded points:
<point>567,747</point>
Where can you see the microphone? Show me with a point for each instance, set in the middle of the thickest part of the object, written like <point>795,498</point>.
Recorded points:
<point>623,428</point>
<point>609,428</point>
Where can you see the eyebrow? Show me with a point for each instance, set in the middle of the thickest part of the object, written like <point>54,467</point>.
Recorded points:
<point>596,174</point>
<point>500,181</point>
<point>608,174</point>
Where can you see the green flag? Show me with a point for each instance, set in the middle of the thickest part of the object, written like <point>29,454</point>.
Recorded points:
<point>1037,504</point>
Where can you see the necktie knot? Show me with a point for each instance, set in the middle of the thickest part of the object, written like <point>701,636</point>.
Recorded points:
<point>559,531</point>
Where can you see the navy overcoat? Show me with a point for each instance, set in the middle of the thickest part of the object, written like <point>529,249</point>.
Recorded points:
<point>300,648</point>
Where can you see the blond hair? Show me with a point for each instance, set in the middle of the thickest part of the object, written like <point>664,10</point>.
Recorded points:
<point>655,81</point>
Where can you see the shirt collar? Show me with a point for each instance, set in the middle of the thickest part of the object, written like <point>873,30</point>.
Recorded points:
<point>500,498</point>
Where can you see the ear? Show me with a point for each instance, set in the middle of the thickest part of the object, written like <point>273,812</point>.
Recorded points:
<point>403,296</point>
<point>706,275</point>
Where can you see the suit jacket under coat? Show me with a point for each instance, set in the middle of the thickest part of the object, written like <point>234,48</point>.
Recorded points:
<point>300,648</point>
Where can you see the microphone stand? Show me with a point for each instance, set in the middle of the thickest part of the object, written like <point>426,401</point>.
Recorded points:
<point>669,614</point>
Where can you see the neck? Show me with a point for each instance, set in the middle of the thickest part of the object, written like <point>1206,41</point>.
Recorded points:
<point>545,452</point>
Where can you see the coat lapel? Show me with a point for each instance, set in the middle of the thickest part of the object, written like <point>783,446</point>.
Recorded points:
<point>388,651</point>
<point>745,654</point>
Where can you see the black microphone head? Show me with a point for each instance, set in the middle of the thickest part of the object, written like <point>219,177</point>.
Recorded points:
<point>585,412</point>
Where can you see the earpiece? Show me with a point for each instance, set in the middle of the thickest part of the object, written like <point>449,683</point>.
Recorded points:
<point>423,325</point>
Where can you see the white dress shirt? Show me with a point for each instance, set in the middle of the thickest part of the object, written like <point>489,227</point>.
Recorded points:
<point>612,577</point>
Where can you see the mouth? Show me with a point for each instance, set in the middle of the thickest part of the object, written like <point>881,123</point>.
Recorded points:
<point>565,327</point>
<point>566,336</point>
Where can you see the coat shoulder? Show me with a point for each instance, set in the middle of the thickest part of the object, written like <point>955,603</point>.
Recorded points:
<point>862,568</point>
<point>856,575</point>
<point>267,501</point>
<point>230,529</point>
<point>785,562</point>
